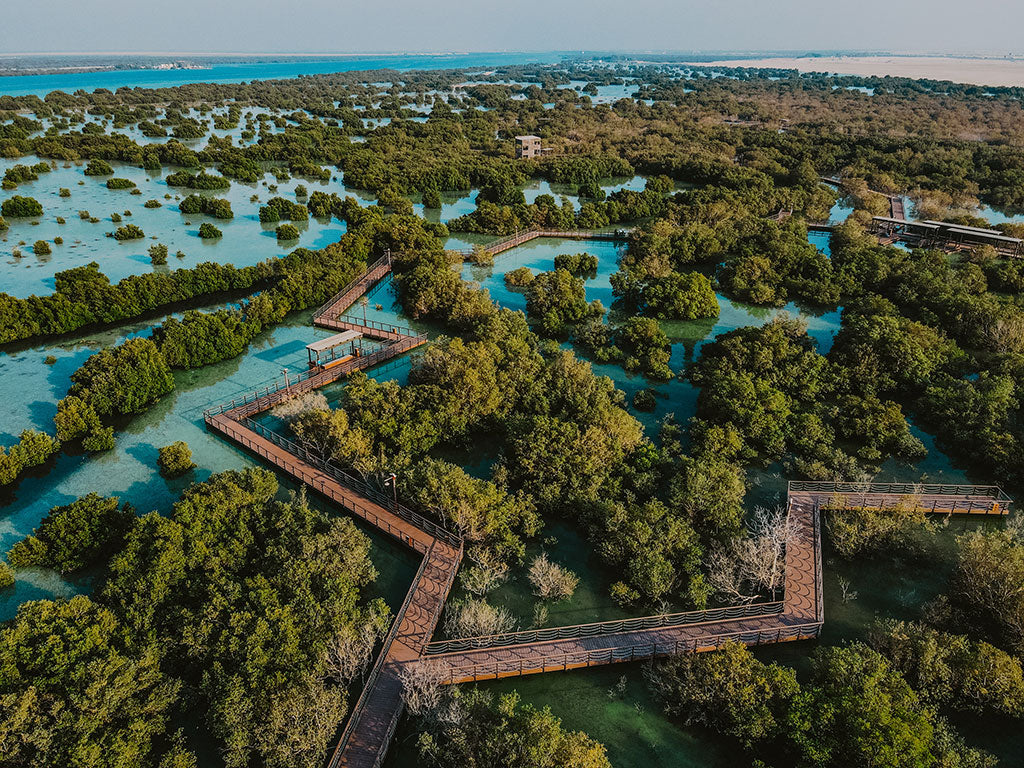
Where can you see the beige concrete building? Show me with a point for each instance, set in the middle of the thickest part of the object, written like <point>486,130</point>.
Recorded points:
<point>528,146</point>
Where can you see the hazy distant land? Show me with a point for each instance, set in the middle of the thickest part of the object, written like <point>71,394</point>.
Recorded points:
<point>965,69</point>
<point>14,64</point>
<point>977,71</point>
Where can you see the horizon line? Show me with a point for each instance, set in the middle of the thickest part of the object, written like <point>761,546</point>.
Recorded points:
<point>803,52</point>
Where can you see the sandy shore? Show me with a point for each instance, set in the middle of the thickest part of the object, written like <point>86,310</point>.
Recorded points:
<point>998,72</point>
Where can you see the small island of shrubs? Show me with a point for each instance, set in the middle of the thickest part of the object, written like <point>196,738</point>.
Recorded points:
<point>20,207</point>
<point>128,232</point>
<point>209,232</point>
<point>287,232</point>
<point>175,460</point>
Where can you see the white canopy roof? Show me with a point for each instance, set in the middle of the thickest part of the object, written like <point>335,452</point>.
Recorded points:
<point>333,341</point>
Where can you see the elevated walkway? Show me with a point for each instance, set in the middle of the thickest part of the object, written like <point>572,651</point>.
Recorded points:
<point>374,717</point>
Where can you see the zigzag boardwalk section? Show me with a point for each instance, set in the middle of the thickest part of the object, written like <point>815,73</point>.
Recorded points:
<point>377,711</point>
<point>798,617</point>
<point>375,715</point>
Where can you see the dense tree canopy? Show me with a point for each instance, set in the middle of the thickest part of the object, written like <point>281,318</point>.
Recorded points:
<point>504,732</point>
<point>21,207</point>
<point>234,604</point>
<point>253,636</point>
<point>76,690</point>
<point>75,535</point>
<point>123,379</point>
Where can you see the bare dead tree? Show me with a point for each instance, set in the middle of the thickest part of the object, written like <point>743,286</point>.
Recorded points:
<point>350,650</point>
<point>1006,333</point>
<point>291,409</point>
<point>486,572</point>
<point>847,593</point>
<point>748,565</point>
<point>725,574</point>
<point>476,618</point>
<point>423,689</point>
<point>550,580</point>
<point>772,530</point>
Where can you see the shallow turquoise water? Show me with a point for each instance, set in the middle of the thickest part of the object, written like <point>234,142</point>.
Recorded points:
<point>33,403</point>
<point>997,216</point>
<point>538,187</point>
<point>628,721</point>
<point>629,724</point>
<point>246,241</point>
<point>687,337</point>
<point>40,85</point>
<point>135,134</point>
<point>821,241</point>
<point>129,470</point>
<point>839,212</point>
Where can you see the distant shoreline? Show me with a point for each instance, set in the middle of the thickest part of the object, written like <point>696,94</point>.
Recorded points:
<point>38,63</point>
<point>235,56</point>
<point>975,69</point>
<point>54,73</point>
<point>997,72</point>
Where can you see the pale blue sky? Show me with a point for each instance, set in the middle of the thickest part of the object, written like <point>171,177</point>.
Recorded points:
<point>475,25</point>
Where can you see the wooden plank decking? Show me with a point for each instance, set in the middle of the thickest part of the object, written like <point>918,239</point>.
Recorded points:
<point>801,618</point>
<point>355,290</point>
<point>519,238</point>
<point>374,716</point>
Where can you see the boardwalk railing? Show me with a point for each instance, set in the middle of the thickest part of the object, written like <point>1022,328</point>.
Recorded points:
<point>605,627</point>
<point>586,234</point>
<point>392,726</point>
<point>511,242</point>
<point>366,278</point>
<point>930,489</point>
<point>929,497</point>
<point>371,680</point>
<point>819,586</point>
<point>569,234</point>
<point>240,434</point>
<point>358,485</point>
<point>281,389</point>
<point>375,715</point>
<point>477,670</point>
<point>358,323</point>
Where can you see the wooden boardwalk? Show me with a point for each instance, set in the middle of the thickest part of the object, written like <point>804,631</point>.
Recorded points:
<point>280,390</point>
<point>896,209</point>
<point>801,617</point>
<point>355,290</point>
<point>519,238</point>
<point>375,715</point>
